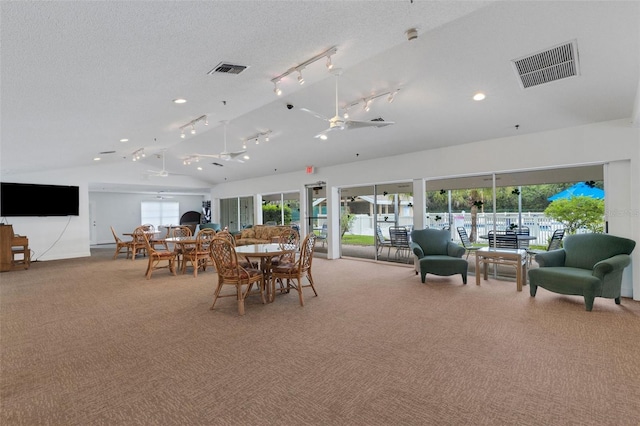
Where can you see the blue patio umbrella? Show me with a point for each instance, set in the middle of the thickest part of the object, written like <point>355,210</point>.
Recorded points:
<point>579,189</point>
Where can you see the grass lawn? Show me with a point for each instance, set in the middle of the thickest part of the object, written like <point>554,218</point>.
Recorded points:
<point>358,240</point>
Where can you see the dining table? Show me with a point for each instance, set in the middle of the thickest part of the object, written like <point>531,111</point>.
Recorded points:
<point>184,244</point>
<point>265,253</point>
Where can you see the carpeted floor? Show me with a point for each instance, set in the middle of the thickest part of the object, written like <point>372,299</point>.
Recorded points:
<point>91,342</point>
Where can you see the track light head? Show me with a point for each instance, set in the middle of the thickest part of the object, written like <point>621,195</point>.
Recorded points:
<point>300,78</point>
<point>329,63</point>
<point>276,89</point>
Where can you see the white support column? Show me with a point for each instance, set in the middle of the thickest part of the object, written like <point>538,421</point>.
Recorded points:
<point>333,222</point>
<point>419,203</point>
<point>257,209</point>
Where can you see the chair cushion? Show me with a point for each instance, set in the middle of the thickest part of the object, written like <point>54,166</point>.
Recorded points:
<point>565,280</point>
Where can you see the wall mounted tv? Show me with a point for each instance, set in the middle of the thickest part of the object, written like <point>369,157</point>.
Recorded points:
<point>27,199</point>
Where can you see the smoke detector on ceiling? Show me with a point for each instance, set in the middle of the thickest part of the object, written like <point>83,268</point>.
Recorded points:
<point>548,65</point>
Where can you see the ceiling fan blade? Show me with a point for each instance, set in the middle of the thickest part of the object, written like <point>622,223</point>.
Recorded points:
<point>315,114</point>
<point>354,124</point>
<point>235,154</point>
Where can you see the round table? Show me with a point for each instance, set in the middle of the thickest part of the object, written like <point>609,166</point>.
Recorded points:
<point>266,252</point>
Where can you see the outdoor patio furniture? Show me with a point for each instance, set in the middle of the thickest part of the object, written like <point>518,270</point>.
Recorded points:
<point>589,265</point>
<point>382,242</point>
<point>554,244</point>
<point>503,239</point>
<point>437,254</point>
<point>399,239</point>
<point>466,242</point>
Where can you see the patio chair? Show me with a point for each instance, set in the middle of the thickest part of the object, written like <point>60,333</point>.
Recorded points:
<point>382,241</point>
<point>522,230</point>
<point>399,238</point>
<point>554,244</point>
<point>466,242</point>
<point>503,239</point>
<point>323,234</point>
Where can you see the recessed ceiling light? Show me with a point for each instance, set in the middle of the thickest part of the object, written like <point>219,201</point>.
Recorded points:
<point>96,159</point>
<point>478,96</point>
<point>124,140</point>
<point>199,168</point>
<point>179,101</point>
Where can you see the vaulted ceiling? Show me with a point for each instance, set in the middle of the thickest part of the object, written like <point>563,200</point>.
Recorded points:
<point>77,77</point>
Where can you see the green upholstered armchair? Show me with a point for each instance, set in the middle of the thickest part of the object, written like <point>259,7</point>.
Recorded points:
<point>589,265</point>
<point>437,254</point>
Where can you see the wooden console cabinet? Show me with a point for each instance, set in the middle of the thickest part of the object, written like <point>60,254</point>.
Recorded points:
<point>14,250</point>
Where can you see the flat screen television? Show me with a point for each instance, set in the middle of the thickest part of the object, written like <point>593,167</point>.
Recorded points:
<point>28,199</point>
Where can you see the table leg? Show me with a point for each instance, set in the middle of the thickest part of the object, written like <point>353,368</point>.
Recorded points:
<point>519,274</point>
<point>478,269</point>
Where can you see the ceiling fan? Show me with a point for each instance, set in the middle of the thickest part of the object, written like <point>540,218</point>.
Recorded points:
<point>226,155</point>
<point>160,173</point>
<point>338,122</point>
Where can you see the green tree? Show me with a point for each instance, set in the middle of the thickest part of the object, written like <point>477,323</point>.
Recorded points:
<point>578,212</point>
<point>271,213</point>
<point>346,221</point>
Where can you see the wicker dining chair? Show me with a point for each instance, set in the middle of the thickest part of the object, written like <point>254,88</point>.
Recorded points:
<point>231,273</point>
<point>181,249</point>
<point>138,243</point>
<point>121,244</point>
<point>245,262</point>
<point>291,275</point>
<point>156,257</point>
<point>200,256</point>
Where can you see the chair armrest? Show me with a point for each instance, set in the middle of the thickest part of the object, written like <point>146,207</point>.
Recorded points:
<point>551,258</point>
<point>416,249</point>
<point>455,250</point>
<point>614,263</point>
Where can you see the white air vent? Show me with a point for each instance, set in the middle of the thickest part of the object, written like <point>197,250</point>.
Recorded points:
<point>226,68</point>
<point>548,65</point>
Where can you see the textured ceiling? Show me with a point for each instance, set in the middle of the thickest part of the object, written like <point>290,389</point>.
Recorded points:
<point>76,77</point>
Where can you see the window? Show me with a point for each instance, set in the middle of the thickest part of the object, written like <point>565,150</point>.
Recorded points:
<point>160,213</point>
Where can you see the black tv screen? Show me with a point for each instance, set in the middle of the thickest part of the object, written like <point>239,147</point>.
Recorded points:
<point>27,199</point>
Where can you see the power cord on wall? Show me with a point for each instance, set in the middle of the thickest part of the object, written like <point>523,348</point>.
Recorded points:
<point>56,241</point>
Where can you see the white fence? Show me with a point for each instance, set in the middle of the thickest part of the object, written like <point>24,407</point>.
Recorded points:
<point>539,225</point>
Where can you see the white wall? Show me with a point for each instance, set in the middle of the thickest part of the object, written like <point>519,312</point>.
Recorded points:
<point>122,211</point>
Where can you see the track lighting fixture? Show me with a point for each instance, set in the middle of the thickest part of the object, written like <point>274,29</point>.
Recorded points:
<point>192,125</point>
<point>276,89</point>
<point>329,63</point>
<point>366,102</point>
<point>138,154</point>
<point>191,159</point>
<point>256,138</point>
<point>298,68</point>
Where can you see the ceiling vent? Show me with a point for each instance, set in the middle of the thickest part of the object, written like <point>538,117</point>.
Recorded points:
<point>226,68</point>
<point>548,65</point>
<point>218,164</point>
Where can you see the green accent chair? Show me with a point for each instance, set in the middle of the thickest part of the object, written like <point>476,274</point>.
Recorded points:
<point>437,254</point>
<point>589,265</point>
